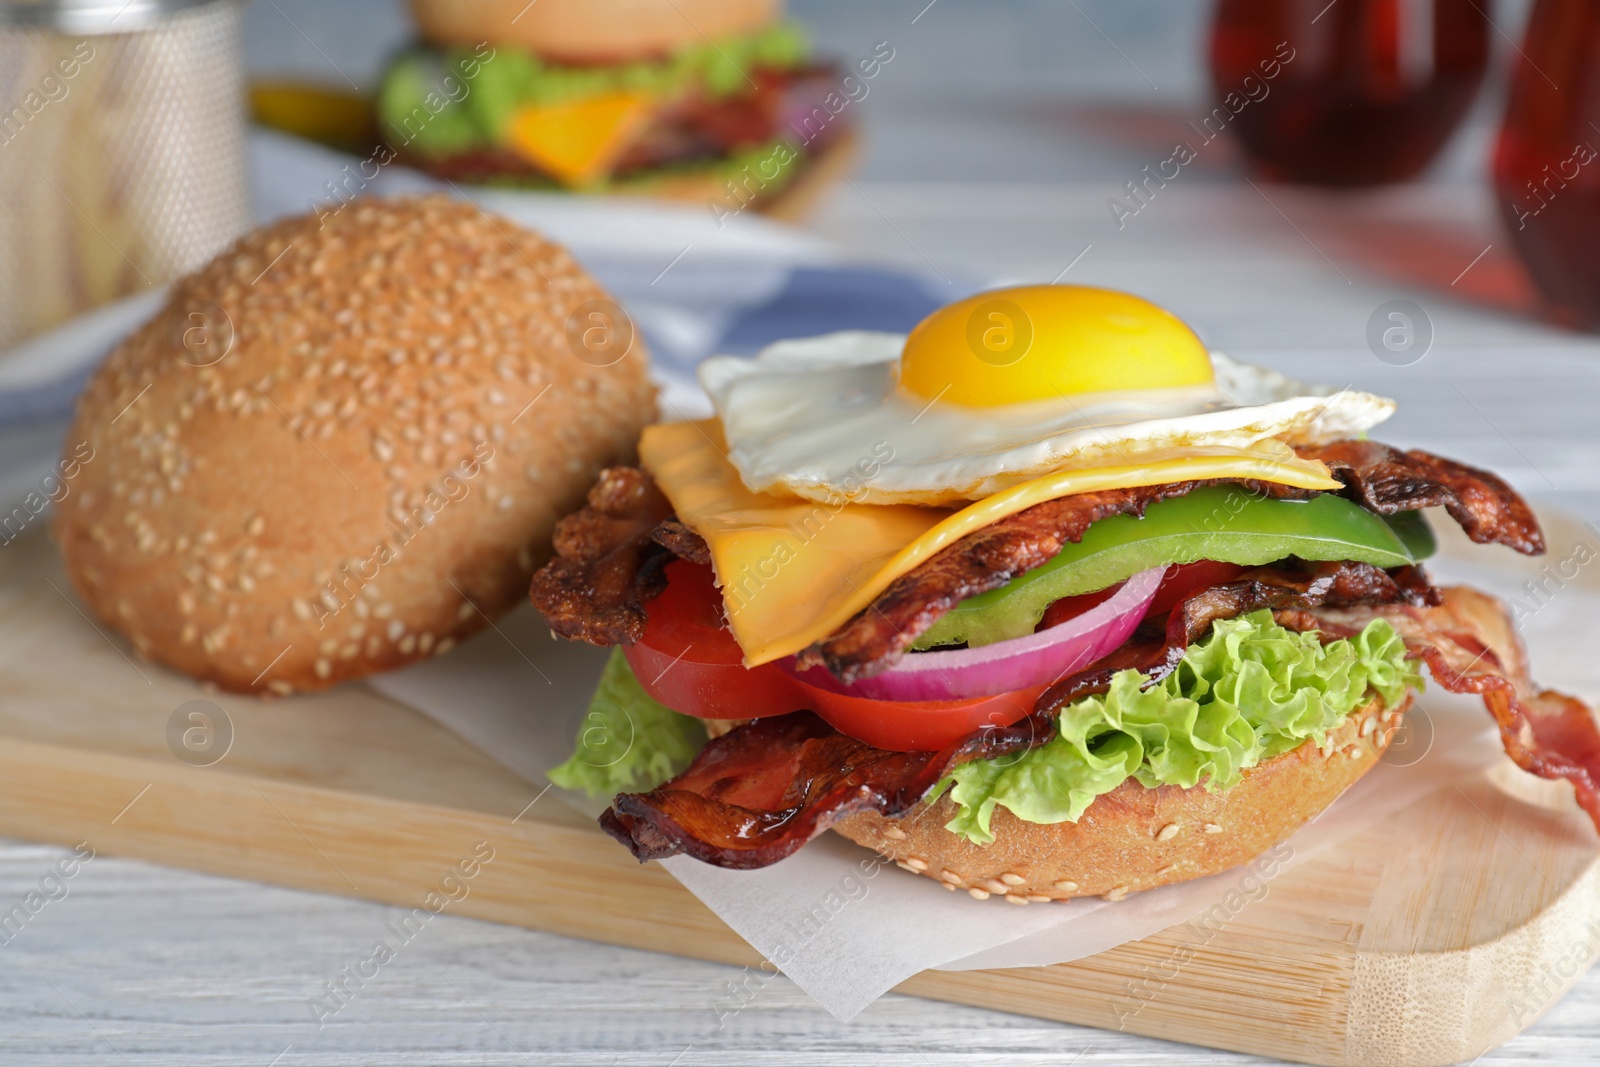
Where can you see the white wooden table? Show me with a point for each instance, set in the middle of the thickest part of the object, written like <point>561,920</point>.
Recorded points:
<point>144,965</point>
<point>1000,166</point>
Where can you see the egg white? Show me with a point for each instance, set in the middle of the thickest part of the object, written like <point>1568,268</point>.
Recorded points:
<point>822,418</point>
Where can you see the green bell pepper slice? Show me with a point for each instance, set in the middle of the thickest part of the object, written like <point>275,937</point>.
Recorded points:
<point>1225,523</point>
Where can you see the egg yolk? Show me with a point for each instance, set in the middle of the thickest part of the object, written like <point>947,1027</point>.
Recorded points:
<point>1038,342</point>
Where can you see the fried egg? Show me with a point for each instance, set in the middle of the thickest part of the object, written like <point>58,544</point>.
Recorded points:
<point>1004,387</point>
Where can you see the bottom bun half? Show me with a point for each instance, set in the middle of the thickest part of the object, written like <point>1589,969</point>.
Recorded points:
<point>1133,837</point>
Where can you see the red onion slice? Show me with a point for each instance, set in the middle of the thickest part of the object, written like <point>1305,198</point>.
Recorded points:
<point>1037,659</point>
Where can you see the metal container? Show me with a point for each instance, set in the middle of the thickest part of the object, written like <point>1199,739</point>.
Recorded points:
<point>122,155</point>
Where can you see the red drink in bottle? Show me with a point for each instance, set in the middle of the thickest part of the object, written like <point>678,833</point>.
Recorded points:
<point>1370,93</point>
<point>1546,174</point>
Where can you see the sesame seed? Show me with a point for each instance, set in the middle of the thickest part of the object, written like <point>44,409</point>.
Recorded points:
<point>444,645</point>
<point>1168,832</point>
<point>1369,725</point>
<point>1213,828</point>
<point>952,877</point>
<point>995,885</point>
<point>894,832</point>
<point>280,687</point>
<point>465,611</point>
<point>978,894</point>
<point>1039,898</point>
<point>917,864</point>
<point>1065,887</point>
<point>1012,879</point>
<point>1119,893</point>
<point>255,526</point>
<point>948,886</point>
<point>1014,898</point>
<point>904,866</point>
<point>323,668</point>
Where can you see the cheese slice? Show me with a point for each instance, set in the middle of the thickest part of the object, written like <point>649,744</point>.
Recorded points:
<point>580,141</point>
<point>793,571</point>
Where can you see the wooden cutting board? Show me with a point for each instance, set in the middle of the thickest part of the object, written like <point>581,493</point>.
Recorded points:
<point>1427,939</point>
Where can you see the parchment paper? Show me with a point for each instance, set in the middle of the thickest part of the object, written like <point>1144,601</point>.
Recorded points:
<point>845,926</point>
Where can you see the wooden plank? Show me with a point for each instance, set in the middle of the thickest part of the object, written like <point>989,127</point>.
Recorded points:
<point>1430,937</point>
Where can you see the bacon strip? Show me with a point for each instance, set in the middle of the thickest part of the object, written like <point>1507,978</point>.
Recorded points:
<point>682,542</point>
<point>606,564</point>
<point>761,791</point>
<point>983,560</point>
<point>1471,646</point>
<point>1386,480</point>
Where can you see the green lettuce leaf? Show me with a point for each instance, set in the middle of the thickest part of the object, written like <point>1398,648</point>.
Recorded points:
<point>628,743</point>
<point>1247,692</point>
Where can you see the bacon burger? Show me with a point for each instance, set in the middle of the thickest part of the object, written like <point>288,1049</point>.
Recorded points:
<point>705,100</point>
<point>1042,601</point>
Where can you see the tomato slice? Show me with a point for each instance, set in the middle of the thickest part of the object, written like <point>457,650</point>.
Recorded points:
<point>1188,578</point>
<point>687,618</point>
<point>917,726</point>
<point>689,661</point>
<point>1072,606</point>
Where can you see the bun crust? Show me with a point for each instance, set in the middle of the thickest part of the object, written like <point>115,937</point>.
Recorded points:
<point>1136,838</point>
<point>591,31</point>
<point>342,445</point>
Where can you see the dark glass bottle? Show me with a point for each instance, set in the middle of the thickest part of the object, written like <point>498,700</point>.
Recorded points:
<point>1546,171</point>
<point>1363,91</point>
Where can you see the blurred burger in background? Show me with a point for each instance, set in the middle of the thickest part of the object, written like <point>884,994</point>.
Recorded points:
<point>700,100</point>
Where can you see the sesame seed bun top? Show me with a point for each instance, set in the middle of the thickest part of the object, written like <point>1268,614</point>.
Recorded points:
<point>343,444</point>
<point>591,31</point>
